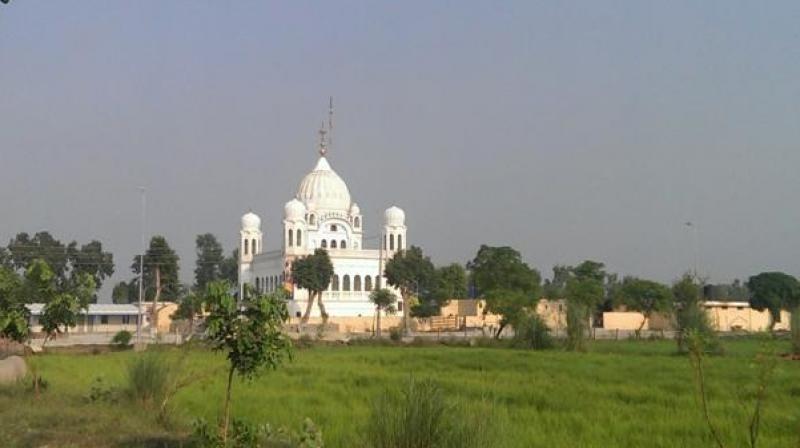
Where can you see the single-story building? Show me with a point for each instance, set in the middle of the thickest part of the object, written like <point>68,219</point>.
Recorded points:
<point>99,318</point>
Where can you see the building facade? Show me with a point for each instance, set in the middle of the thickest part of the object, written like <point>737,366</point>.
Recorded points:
<point>322,215</point>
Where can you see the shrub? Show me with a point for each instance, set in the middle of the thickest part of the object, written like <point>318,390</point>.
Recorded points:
<point>245,435</point>
<point>122,339</point>
<point>148,378</point>
<point>396,334</point>
<point>420,416</point>
<point>795,324</point>
<point>691,318</point>
<point>100,391</point>
<point>531,332</point>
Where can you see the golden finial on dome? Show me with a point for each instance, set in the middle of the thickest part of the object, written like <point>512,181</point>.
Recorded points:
<point>323,142</point>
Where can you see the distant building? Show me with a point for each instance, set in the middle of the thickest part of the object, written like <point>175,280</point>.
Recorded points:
<point>99,318</point>
<point>322,215</point>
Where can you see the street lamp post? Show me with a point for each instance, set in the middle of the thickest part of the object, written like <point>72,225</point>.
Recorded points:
<point>143,191</point>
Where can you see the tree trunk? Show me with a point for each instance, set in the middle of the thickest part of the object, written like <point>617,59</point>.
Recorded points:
<point>227,408</point>
<point>378,322</point>
<point>641,325</point>
<point>321,306</point>
<point>500,330</point>
<point>308,307</point>
<point>404,294</point>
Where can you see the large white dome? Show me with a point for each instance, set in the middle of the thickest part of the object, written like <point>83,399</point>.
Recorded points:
<point>251,221</point>
<point>323,189</point>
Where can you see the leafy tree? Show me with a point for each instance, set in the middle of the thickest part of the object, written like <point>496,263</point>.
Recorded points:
<point>251,334</point>
<point>125,292</point>
<point>449,283</point>
<point>584,291</point>
<point>646,297</point>
<point>774,291</point>
<point>385,301</point>
<point>189,308</point>
<point>555,288</point>
<point>14,316</point>
<point>313,273</point>
<point>229,268</point>
<point>10,286</point>
<point>690,316</point>
<point>67,262</point>
<point>209,261</point>
<point>505,282</point>
<point>160,273</point>
<point>409,270</point>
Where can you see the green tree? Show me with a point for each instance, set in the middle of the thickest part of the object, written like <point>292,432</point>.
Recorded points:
<point>646,297</point>
<point>313,273</point>
<point>385,301</point>
<point>409,270</point>
<point>774,291</point>
<point>229,268</point>
<point>555,288</point>
<point>67,262</point>
<point>14,316</point>
<point>250,333</point>
<point>208,267</point>
<point>507,284</point>
<point>690,317</point>
<point>189,308</point>
<point>449,283</point>
<point>584,291</point>
<point>125,292</point>
<point>160,273</point>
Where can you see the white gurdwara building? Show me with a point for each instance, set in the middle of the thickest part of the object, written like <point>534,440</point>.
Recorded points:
<point>322,215</point>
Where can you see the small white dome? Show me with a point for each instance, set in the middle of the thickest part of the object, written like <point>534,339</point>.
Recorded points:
<point>323,189</point>
<point>294,210</point>
<point>394,216</point>
<point>251,221</point>
<point>355,209</point>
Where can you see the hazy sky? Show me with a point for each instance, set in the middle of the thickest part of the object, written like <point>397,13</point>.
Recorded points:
<point>568,130</point>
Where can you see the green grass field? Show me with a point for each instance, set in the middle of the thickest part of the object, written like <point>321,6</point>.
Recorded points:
<point>620,394</point>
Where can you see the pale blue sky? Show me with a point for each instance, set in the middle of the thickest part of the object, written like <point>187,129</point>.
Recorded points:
<point>568,130</point>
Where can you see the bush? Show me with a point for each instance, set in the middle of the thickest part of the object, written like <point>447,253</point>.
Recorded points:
<point>692,318</point>
<point>531,332</point>
<point>577,321</point>
<point>396,334</point>
<point>420,416</point>
<point>100,391</point>
<point>148,378</point>
<point>795,324</point>
<point>122,339</point>
<point>245,435</point>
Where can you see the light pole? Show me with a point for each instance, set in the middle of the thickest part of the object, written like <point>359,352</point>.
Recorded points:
<point>143,192</point>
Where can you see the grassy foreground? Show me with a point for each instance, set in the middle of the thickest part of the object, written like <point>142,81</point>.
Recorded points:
<point>620,394</point>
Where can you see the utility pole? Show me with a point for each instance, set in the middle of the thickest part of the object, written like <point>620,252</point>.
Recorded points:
<point>143,191</point>
<point>693,229</point>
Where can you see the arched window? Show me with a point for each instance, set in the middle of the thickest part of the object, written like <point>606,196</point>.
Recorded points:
<point>333,244</point>
<point>312,219</point>
<point>343,245</point>
<point>335,283</point>
<point>357,222</point>
<point>391,242</point>
<point>399,242</point>
<point>299,238</point>
<point>368,283</point>
<point>291,238</point>
<point>246,247</point>
<point>346,283</point>
<point>384,242</point>
<point>357,283</point>
<point>253,247</point>
<point>324,244</point>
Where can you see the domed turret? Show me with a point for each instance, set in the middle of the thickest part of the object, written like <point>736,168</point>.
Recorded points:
<point>251,221</point>
<point>323,189</point>
<point>394,216</point>
<point>294,210</point>
<point>355,210</point>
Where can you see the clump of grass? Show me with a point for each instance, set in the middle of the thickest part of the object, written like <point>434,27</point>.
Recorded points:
<point>148,378</point>
<point>421,416</point>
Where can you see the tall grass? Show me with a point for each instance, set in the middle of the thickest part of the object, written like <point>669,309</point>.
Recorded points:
<point>148,378</point>
<point>421,416</point>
